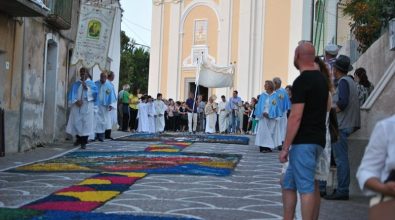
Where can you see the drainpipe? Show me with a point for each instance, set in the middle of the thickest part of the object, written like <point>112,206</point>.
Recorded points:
<point>312,21</point>
<point>337,19</point>
<point>22,86</point>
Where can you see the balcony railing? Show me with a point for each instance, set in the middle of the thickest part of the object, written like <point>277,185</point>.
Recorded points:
<point>23,8</point>
<point>60,13</point>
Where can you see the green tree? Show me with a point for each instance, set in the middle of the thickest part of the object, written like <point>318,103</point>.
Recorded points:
<point>369,19</point>
<point>134,64</point>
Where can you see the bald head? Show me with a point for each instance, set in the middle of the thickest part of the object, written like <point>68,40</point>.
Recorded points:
<point>304,55</point>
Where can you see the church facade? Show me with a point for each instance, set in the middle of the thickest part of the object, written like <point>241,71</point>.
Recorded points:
<point>257,36</point>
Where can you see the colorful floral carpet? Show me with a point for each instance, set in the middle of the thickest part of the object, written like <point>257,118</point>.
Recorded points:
<point>151,162</point>
<point>117,172</point>
<point>89,194</point>
<point>27,214</point>
<point>206,138</point>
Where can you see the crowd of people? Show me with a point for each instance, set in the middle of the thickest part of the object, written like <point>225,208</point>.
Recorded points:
<point>325,110</point>
<point>143,113</point>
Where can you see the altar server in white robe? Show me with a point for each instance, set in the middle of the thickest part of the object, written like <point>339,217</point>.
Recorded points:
<point>267,112</point>
<point>284,104</point>
<point>223,115</point>
<point>114,112</point>
<point>210,111</point>
<point>160,109</point>
<point>142,116</point>
<point>82,98</point>
<point>105,99</point>
<point>151,115</point>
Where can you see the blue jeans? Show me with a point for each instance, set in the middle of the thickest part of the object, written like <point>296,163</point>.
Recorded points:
<point>234,121</point>
<point>300,173</point>
<point>340,152</point>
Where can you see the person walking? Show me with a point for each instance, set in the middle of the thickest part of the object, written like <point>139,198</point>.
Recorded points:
<point>268,111</point>
<point>105,99</point>
<point>306,132</point>
<point>285,106</point>
<point>82,97</point>
<point>114,111</point>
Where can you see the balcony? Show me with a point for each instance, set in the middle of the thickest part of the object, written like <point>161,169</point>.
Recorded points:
<point>23,8</point>
<point>60,13</point>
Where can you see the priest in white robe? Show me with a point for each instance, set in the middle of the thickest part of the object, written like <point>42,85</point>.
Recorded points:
<point>105,99</point>
<point>284,105</point>
<point>114,112</point>
<point>142,116</point>
<point>223,115</point>
<point>160,108</point>
<point>151,115</point>
<point>82,98</point>
<point>210,111</point>
<point>268,112</point>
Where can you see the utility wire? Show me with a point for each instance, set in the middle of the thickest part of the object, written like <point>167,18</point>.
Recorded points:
<point>138,36</point>
<point>138,25</point>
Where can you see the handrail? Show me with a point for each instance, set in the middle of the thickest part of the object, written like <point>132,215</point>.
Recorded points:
<point>385,79</point>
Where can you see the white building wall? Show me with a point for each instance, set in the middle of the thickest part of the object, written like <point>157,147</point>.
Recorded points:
<point>300,30</point>
<point>174,53</point>
<point>156,49</point>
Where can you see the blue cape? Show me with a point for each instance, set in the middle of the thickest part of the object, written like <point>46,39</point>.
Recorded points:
<point>285,102</point>
<point>109,95</point>
<point>73,94</point>
<point>274,108</point>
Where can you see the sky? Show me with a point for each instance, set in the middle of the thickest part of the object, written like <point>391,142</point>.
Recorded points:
<point>136,20</point>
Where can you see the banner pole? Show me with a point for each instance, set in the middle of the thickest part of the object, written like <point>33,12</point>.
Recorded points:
<point>196,89</point>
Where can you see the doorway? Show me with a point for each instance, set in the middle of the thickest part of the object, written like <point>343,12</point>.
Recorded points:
<point>51,66</point>
<point>201,90</point>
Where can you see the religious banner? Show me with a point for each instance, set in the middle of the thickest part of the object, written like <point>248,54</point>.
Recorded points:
<point>213,76</point>
<point>93,36</point>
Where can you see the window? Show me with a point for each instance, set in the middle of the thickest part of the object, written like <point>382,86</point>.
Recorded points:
<point>200,32</point>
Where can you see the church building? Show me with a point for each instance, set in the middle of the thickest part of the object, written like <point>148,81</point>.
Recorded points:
<point>257,36</point>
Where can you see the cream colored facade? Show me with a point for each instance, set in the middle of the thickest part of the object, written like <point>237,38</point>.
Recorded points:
<point>259,36</point>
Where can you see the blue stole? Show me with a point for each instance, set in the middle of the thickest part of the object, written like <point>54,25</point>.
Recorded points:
<point>274,108</point>
<point>106,95</point>
<point>285,102</point>
<point>73,94</point>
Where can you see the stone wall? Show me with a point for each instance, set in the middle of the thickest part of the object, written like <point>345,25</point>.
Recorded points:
<point>376,60</point>
<point>24,90</point>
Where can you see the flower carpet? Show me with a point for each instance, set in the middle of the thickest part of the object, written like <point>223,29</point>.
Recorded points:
<point>116,172</point>
<point>206,138</point>
<point>28,214</point>
<point>151,162</point>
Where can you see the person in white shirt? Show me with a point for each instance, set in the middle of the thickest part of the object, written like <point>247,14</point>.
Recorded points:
<point>82,96</point>
<point>151,115</point>
<point>376,174</point>
<point>160,109</point>
<point>223,115</point>
<point>210,111</point>
<point>114,115</point>
<point>142,116</point>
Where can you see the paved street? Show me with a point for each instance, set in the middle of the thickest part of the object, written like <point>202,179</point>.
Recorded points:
<point>251,192</point>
